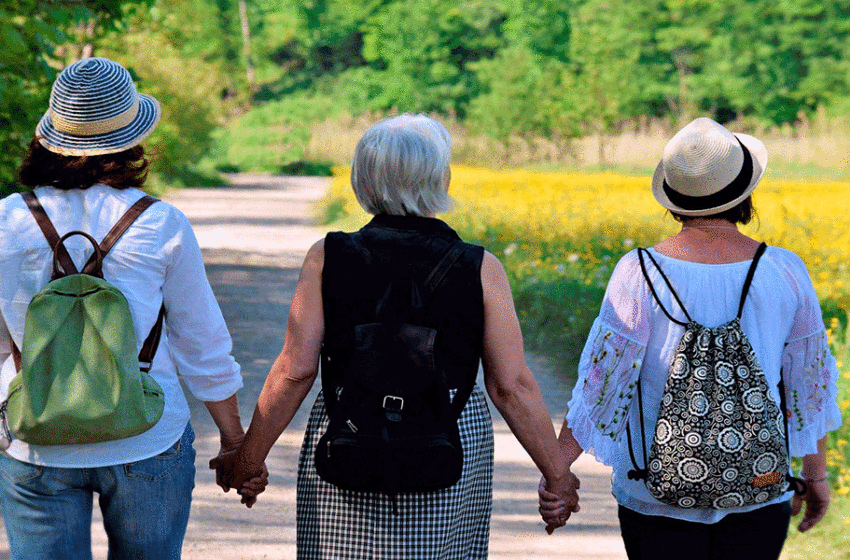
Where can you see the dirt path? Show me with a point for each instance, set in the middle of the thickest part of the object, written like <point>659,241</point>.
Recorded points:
<point>255,234</point>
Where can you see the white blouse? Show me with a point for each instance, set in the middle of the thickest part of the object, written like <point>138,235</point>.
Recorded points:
<point>632,337</point>
<point>156,260</point>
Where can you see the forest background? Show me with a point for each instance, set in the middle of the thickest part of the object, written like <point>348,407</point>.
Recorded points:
<point>559,110</point>
<point>277,85</point>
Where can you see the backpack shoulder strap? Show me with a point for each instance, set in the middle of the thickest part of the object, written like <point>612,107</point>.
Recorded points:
<point>750,273</point>
<point>148,351</point>
<point>641,253</point>
<point>151,343</point>
<point>118,230</point>
<point>49,231</point>
<point>439,272</point>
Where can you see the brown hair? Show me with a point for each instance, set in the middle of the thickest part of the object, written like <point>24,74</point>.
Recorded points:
<point>122,170</point>
<point>742,214</point>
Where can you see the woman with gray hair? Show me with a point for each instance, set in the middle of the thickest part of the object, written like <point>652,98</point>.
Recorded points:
<point>400,173</point>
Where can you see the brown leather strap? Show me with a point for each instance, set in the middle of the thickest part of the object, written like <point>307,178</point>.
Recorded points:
<point>16,354</point>
<point>92,266</point>
<point>148,350</point>
<point>118,230</point>
<point>49,232</point>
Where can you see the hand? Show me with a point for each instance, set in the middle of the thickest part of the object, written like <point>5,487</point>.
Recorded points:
<point>558,500</point>
<point>231,472</point>
<point>817,502</point>
<point>253,487</point>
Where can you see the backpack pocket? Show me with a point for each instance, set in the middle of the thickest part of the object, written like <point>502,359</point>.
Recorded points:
<point>373,464</point>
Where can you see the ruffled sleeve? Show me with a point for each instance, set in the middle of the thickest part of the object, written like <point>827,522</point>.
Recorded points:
<point>610,363</point>
<point>809,371</point>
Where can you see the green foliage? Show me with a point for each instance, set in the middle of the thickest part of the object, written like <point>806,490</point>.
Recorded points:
<point>269,137</point>
<point>169,49</point>
<point>525,95</point>
<point>548,68</point>
<point>29,34</point>
<point>543,26</point>
<point>426,50</point>
<point>606,94</point>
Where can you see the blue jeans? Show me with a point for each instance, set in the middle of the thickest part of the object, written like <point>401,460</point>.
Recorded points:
<point>145,506</point>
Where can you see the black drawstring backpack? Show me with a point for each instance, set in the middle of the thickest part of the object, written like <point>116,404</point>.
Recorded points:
<point>721,440</point>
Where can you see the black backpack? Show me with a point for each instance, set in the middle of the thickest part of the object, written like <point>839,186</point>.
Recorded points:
<point>720,440</point>
<point>392,422</point>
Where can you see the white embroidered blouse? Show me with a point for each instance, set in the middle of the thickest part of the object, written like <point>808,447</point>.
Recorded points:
<point>632,337</point>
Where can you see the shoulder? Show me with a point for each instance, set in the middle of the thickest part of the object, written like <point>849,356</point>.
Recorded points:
<point>791,270</point>
<point>784,258</point>
<point>629,269</point>
<point>491,268</point>
<point>10,205</point>
<point>316,252</point>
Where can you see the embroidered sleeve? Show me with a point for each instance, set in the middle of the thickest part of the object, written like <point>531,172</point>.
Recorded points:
<point>811,392</point>
<point>808,367</point>
<point>610,363</point>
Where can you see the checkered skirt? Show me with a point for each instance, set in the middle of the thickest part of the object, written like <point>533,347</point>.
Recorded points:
<point>449,524</point>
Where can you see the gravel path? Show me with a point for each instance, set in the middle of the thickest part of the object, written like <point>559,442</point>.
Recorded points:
<point>255,233</point>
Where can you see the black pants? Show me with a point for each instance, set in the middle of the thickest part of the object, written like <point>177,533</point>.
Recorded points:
<point>754,535</point>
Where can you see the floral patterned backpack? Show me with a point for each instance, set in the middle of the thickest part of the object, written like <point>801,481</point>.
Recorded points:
<point>721,439</point>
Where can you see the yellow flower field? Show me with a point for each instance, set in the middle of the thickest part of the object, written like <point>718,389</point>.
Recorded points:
<point>568,223</point>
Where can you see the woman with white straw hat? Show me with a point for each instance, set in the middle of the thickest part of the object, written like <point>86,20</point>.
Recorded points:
<point>669,313</point>
<point>84,169</point>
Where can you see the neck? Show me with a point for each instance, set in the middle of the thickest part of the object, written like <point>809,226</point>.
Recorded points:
<point>708,223</point>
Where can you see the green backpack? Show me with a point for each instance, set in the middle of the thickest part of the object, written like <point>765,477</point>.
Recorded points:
<point>79,379</point>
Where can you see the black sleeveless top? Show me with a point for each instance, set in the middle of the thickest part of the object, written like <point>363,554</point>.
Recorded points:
<point>403,246</point>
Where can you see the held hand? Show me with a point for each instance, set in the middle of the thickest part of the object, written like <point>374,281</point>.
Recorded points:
<point>817,502</point>
<point>253,487</point>
<point>250,480</point>
<point>558,500</point>
<point>223,463</point>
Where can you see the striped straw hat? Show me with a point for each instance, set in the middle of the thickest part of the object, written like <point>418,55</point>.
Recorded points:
<point>705,169</point>
<point>95,110</point>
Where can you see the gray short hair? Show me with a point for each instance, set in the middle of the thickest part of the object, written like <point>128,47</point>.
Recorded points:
<point>399,167</point>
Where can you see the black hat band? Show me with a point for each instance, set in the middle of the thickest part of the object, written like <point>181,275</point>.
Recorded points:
<point>725,195</point>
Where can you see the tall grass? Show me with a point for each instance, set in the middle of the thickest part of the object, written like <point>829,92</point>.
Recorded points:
<point>312,128</point>
<point>805,152</point>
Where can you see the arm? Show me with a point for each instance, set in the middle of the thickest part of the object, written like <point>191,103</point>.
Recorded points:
<point>817,492</point>
<point>225,414</point>
<point>511,385</point>
<point>290,379</point>
<point>552,507</point>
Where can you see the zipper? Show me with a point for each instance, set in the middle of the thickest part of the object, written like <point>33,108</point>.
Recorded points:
<point>4,420</point>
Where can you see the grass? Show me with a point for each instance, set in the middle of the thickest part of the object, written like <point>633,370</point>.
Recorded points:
<point>828,540</point>
<point>312,127</point>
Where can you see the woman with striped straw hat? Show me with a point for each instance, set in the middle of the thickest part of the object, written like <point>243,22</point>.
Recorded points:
<point>84,169</point>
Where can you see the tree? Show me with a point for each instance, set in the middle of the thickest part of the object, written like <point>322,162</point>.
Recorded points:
<point>605,52</point>
<point>525,95</point>
<point>29,34</point>
<point>427,50</point>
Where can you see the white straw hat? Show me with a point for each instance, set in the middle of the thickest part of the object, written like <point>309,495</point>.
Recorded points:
<point>705,169</point>
<point>95,109</point>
